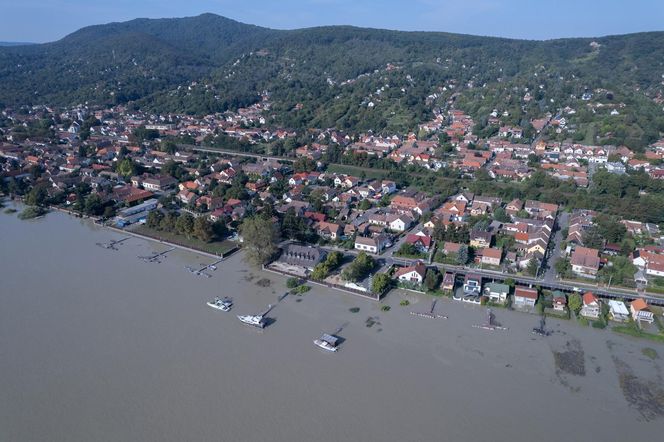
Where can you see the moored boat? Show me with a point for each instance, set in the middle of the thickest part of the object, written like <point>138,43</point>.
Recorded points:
<point>253,320</point>
<point>224,304</point>
<point>327,342</point>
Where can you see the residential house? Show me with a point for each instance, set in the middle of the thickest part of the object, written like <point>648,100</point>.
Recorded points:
<point>472,285</point>
<point>421,242</point>
<point>398,223</point>
<point>412,274</point>
<point>448,282</point>
<point>374,244</point>
<point>618,311</point>
<point>497,292</point>
<point>591,308</point>
<point>302,256</point>
<point>492,256</point>
<point>525,297</point>
<point>327,230</point>
<point>209,203</point>
<point>480,238</point>
<point>186,197</point>
<point>640,311</point>
<point>540,210</point>
<point>585,262</point>
<point>559,300</point>
<point>514,207</point>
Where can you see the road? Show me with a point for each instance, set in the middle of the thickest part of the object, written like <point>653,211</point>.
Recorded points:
<point>550,274</point>
<point>611,293</point>
<point>234,153</point>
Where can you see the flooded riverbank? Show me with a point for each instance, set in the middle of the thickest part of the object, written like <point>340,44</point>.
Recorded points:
<point>96,344</point>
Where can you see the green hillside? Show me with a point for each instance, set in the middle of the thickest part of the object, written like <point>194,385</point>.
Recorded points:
<point>346,77</point>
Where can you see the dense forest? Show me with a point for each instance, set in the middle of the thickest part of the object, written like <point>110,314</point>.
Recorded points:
<point>346,77</point>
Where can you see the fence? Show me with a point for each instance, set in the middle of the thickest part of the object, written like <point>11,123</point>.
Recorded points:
<point>368,295</point>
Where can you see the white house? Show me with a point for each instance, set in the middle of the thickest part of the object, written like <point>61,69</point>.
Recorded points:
<point>414,273</point>
<point>618,311</point>
<point>398,223</point>
<point>591,307</point>
<point>371,245</point>
<point>497,292</point>
<point>525,297</point>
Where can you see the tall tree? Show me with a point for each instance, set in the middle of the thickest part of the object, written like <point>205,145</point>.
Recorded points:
<point>203,229</point>
<point>259,239</point>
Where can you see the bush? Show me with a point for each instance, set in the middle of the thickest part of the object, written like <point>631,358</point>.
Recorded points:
<point>301,289</point>
<point>599,324</point>
<point>385,308</point>
<point>404,303</point>
<point>31,212</point>
<point>650,352</point>
<point>291,283</point>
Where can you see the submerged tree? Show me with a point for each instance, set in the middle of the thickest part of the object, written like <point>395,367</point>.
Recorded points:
<point>259,239</point>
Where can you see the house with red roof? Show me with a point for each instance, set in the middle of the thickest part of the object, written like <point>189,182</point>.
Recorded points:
<point>491,256</point>
<point>591,308</point>
<point>525,297</point>
<point>585,262</point>
<point>421,242</point>
<point>641,311</point>
<point>413,274</point>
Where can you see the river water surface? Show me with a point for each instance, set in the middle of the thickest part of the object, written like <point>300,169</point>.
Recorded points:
<point>97,345</point>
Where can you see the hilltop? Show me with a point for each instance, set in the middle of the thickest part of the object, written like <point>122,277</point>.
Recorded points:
<point>346,77</point>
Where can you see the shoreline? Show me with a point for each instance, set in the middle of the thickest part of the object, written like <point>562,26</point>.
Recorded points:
<point>95,221</point>
<point>168,243</point>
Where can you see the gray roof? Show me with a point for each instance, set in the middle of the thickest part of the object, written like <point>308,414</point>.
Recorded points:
<point>303,256</point>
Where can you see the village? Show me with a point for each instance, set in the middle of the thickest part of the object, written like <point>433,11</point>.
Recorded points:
<point>193,181</point>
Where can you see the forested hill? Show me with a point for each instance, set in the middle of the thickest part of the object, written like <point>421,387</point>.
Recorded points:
<point>346,77</point>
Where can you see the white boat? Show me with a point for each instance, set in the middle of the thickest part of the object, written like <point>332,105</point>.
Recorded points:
<point>253,320</point>
<point>224,305</point>
<point>327,342</point>
<point>256,320</point>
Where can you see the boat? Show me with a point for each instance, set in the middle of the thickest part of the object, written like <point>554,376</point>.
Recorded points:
<point>327,342</point>
<point>253,320</point>
<point>258,321</point>
<point>224,304</point>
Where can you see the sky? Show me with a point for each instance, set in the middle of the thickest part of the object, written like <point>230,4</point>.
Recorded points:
<point>48,20</point>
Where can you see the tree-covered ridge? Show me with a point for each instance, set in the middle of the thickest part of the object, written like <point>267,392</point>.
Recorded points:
<point>347,77</point>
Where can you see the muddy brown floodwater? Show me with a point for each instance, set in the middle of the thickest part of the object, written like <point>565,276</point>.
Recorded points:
<point>97,345</point>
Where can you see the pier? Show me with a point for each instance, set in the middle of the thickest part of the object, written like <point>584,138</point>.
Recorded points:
<point>430,314</point>
<point>112,245</point>
<point>156,257</point>
<point>201,271</point>
<point>490,323</point>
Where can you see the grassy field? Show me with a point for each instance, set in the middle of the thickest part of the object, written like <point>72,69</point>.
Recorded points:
<point>632,329</point>
<point>356,170</point>
<point>216,247</point>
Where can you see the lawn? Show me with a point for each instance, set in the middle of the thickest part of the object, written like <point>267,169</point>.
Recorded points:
<point>632,329</point>
<point>356,170</point>
<point>215,247</point>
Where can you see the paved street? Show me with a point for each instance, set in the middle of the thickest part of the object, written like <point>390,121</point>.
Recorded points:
<point>550,274</point>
